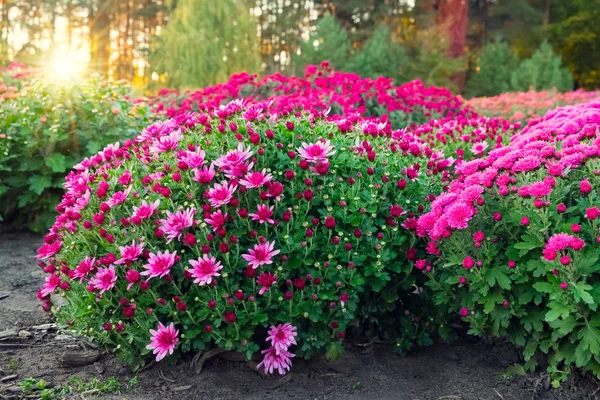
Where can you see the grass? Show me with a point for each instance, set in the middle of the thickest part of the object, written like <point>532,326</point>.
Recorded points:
<point>76,385</point>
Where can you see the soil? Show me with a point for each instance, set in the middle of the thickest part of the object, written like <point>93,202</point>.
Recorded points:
<point>465,370</point>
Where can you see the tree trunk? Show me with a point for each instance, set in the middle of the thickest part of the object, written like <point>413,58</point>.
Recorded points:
<point>453,17</point>
<point>547,11</point>
<point>99,28</point>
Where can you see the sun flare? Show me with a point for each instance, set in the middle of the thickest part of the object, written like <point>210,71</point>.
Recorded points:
<point>67,64</point>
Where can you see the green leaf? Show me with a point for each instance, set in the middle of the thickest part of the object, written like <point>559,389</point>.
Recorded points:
<point>37,183</point>
<point>589,345</point>
<point>495,275</point>
<point>57,162</point>
<point>557,310</point>
<point>581,293</point>
<point>544,287</point>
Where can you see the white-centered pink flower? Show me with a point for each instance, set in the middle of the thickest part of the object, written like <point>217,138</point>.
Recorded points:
<point>175,223</point>
<point>263,214</point>
<point>131,252</point>
<point>479,148</point>
<point>220,194</point>
<point>273,360</point>
<point>163,340</point>
<point>262,254</point>
<point>316,152</point>
<point>217,220</point>
<point>282,337</point>
<point>104,279</point>
<point>159,264</point>
<point>256,179</point>
<point>84,268</point>
<point>205,269</point>
<point>146,210</point>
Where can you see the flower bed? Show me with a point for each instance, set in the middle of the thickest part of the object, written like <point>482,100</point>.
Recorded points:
<point>244,231</point>
<point>323,89</point>
<point>518,236</point>
<point>524,106</point>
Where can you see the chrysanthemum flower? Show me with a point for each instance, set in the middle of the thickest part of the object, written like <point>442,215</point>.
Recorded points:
<point>266,280</point>
<point>234,158</point>
<point>256,179</point>
<point>204,175</point>
<point>282,337</point>
<point>119,197</point>
<point>159,264</point>
<point>273,360</point>
<point>539,189</point>
<point>163,340</point>
<point>261,254</point>
<point>146,210</point>
<point>204,269</point>
<point>51,283</point>
<point>176,222</point>
<point>221,194</point>
<point>316,152</point>
<point>130,252</point>
<point>459,214</point>
<point>263,214</point>
<point>217,220</point>
<point>105,279</point>
<point>84,268</point>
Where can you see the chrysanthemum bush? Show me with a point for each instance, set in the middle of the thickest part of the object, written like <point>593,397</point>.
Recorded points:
<point>518,242</point>
<point>322,88</point>
<point>240,230</point>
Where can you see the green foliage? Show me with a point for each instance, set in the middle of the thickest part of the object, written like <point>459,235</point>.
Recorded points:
<point>205,42</point>
<point>542,71</point>
<point>329,42</point>
<point>380,56</point>
<point>492,74</point>
<point>75,386</point>
<point>49,127</point>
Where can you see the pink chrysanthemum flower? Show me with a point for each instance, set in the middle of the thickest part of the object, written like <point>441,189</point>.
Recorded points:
<point>194,159</point>
<point>166,143</point>
<point>217,220</point>
<point>527,163</point>
<point>316,152</point>
<point>263,214</point>
<point>119,197</point>
<point>233,158</point>
<point>479,148</point>
<point>539,189</point>
<point>48,250</point>
<point>221,194</point>
<point>52,282</point>
<point>276,361</point>
<point>261,254</point>
<point>266,280</point>
<point>163,340</point>
<point>459,214</point>
<point>204,269</point>
<point>256,179</point>
<point>84,268</point>
<point>105,279</point>
<point>471,193</point>
<point>204,175</point>
<point>175,223</point>
<point>282,337</point>
<point>131,252</point>
<point>159,264</point>
<point>146,210</point>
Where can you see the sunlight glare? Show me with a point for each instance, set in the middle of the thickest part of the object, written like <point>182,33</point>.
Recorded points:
<point>67,64</point>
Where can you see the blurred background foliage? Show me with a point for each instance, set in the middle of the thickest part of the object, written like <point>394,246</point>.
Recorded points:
<point>476,47</point>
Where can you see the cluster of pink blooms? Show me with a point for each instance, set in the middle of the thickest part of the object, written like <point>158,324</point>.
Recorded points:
<point>522,106</point>
<point>320,90</point>
<point>277,357</point>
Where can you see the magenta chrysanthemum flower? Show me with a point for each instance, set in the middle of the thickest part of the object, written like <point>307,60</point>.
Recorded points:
<point>105,279</point>
<point>163,340</point>
<point>276,361</point>
<point>471,193</point>
<point>479,148</point>
<point>256,179</point>
<point>216,220</point>
<point>263,214</point>
<point>119,197</point>
<point>261,254</point>
<point>176,222</point>
<point>52,282</point>
<point>316,152</point>
<point>204,269</point>
<point>48,250</point>
<point>131,252</point>
<point>193,159</point>
<point>539,189</point>
<point>204,175</point>
<point>282,337</point>
<point>221,194</point>
<point>84,268</point>
<point>233,161</point>
<point>146,210</point>
<point>266,280</point>
<point>166,143</point>
<point>159,264</point>
<point>527,164</point>
<point>459,214</point>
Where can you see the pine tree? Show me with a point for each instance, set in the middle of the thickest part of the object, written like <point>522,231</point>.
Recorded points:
<point>542,71</point>
<point>207,41</point>
<point>492,74</point>
<point>329,42</point>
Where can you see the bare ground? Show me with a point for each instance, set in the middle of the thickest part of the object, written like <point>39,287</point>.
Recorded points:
<point>468,369</point>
